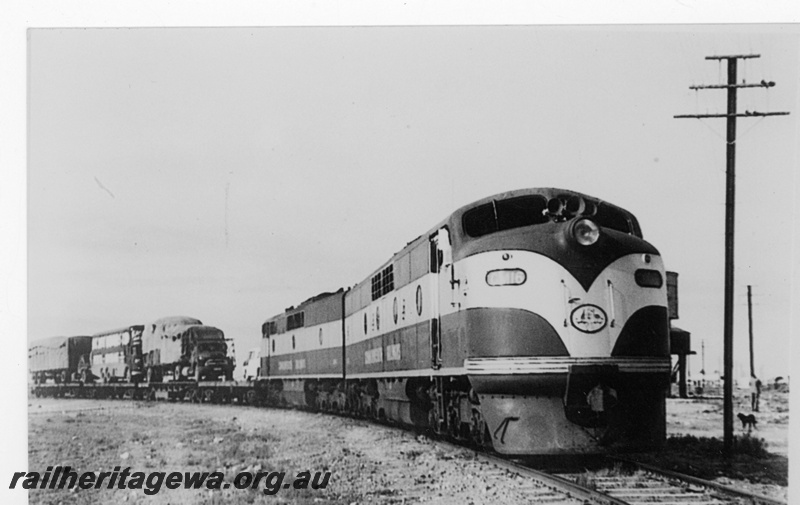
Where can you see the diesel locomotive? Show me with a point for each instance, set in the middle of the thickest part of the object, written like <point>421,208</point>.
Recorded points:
<point>533,321</point>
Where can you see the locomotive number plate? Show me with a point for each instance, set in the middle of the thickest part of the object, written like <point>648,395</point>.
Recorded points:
<point>588,318</point>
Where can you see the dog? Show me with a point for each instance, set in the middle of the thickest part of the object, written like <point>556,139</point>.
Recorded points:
<point>748,421</point>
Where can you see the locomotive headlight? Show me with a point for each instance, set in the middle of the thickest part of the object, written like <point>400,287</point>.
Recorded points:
<point>506,277</point>
<point>648,278</point>
<point>585,231</point>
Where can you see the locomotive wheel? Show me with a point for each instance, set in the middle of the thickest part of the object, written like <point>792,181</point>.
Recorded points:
<point>454,424</point>
<point>479,432</point>
<point>250,397</point>
<point>209,396</point>
<point>433,421</point>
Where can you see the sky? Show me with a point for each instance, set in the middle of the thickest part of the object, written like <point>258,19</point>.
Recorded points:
<point>228,173</point>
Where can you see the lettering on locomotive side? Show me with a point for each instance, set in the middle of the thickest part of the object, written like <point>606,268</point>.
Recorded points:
<point>285,365</point>
<point>373,356</point>
<point>299,364</point>
<point>393,352</point>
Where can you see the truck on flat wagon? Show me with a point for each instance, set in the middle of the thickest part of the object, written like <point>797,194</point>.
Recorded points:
<point>117,355</point>
<point>60,359</point>
<point>183,348</point>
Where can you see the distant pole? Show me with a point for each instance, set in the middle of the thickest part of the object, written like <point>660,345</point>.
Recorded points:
<point>703,347</point>
<point>730,200</point>
<point>750,328</point>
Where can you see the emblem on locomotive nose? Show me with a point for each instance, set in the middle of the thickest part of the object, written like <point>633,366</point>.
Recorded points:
<point>588,318</point>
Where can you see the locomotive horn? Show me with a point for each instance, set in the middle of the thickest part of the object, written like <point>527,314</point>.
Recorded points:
<point>590,209</point>
<point>555,206</point>
<point>575,206</point>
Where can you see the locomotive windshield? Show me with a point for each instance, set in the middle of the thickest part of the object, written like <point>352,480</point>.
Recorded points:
<point>499,215</point>
<point>502,215</point>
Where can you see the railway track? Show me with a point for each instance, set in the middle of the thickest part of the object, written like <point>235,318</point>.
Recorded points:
<point>618,481</point>
<point>623,482</point>
<point>632,483</point>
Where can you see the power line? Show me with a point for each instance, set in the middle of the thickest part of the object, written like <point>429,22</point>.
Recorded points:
<point>730,196</point>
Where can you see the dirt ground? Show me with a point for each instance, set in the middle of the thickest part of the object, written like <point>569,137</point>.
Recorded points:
<point>702,417</point>
<point>367,464</point>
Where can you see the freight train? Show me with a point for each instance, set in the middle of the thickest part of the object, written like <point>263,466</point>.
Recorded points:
<point>531,322</point>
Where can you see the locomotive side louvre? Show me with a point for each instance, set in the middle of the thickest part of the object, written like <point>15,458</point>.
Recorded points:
<point>388,328</point>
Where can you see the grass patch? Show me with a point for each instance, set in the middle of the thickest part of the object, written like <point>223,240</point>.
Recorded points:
<point>744,445</point>
<point>586,481</point>
<point>704,457</point>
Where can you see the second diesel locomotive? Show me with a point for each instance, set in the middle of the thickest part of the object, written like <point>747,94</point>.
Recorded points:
<point>534,321</point>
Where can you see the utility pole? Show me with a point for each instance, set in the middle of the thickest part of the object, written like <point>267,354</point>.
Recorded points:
<point>703,346</point>
<point>730,198</point>
<point>750,328</point>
